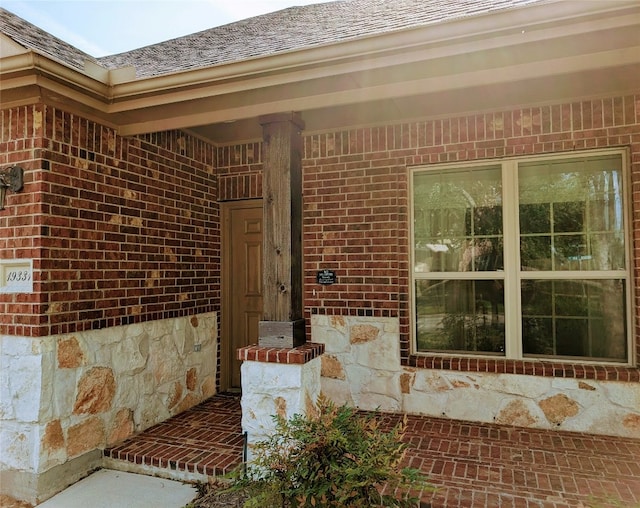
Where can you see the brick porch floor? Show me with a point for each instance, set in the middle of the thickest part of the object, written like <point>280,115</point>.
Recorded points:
<point>472,465</point>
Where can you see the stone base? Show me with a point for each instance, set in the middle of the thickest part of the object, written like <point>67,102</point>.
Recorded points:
<point>281,334</point>
<point>270,389</point>
<point>37,487</point>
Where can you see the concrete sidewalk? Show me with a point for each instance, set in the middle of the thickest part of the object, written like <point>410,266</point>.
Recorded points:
<point>114,489</point>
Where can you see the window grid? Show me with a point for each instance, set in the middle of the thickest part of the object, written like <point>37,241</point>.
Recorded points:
<point>513,274</point>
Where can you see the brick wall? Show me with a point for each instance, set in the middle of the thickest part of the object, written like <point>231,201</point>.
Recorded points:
<point>355,201</point>
<point>356,204</point>
<point>121,230</point>
<point>240,169</point>
<point>130,226</point>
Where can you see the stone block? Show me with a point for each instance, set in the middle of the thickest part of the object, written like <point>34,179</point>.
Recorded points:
<point>192,379</point>
<point>363,333</point>
<point>382,352</point>
<point>271,388</point>
<point>25,378</point>
<point>632,423</point>
<point>85,436</point>
<point>122,426</point>
<point>70,354</point>
<point>96,390</point>
<point>53,438</point>
<point>623,394</point>
<point>516,412</point>
<point>6,397</point>
<point>514,384</point>
<point>131,354</point>
<point>208,387</point>
<point>331,367</point>
<point>17,446</point>
<point>20,346</point>
<point>406,381</point>
<point>558,408</point>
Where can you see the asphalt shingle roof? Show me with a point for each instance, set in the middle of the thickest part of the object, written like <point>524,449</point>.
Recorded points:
<point>32,37</point>
<point>285,30</point>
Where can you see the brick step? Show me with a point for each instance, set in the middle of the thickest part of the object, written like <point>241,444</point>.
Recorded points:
<point>471,464</point>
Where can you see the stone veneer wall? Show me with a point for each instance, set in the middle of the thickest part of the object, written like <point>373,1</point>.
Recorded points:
<point>361,366</point>
<point>64,396</point>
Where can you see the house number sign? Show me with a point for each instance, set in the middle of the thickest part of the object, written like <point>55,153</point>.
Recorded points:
<point>16,276</point>
<point>326,277</point>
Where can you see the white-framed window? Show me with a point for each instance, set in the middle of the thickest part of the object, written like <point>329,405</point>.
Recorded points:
<point>523,258</point>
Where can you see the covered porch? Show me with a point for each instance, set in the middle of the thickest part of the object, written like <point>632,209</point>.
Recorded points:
<point>130,319</point>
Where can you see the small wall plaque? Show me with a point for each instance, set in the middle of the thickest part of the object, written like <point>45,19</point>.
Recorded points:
<point>16,276</point>
<point>326,277</point>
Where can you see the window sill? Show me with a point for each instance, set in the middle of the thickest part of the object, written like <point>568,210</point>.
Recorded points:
<point>525,367</point>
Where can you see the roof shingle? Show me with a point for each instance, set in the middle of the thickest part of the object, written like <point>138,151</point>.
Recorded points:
<point>289,29</point>
<point>32,37</point>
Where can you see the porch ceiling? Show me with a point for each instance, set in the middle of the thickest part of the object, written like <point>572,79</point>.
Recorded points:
<point>543,54</point>
<point>473,98</point>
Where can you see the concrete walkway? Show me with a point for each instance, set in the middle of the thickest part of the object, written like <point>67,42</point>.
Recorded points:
<point>116,489</point>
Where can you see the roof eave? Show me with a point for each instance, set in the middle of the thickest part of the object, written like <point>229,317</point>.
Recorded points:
<point>533,25</point>
<point>155,103</point>
<point>457,36</point>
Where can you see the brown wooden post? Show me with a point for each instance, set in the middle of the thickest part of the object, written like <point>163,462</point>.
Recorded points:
<point>283,320</point>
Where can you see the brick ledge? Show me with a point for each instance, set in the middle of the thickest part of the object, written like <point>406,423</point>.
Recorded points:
<point>526,367</point>
<point>294,356</point>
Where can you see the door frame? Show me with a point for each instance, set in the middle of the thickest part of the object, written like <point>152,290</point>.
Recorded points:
<point>226,208</point>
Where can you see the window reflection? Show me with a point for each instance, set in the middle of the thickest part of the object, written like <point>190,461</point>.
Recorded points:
<point>460,315</point>
<point>458,221</point>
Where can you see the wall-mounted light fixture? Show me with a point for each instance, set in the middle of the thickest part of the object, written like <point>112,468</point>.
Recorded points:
<point>11,179</point>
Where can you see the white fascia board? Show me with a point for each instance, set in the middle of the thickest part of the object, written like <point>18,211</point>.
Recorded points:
<point>41,65</point>
<point>414,45</point>
<point>109,76</point>
<point>535,70</point>
<point>94,78</point>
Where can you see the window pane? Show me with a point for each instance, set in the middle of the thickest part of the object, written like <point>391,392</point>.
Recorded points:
<point>571,252</point>
<point>607,251</point>
<point>535,252</point>
<point>568,217</point>
<point>578,204</point>
<point>458,220</point>
<point>574,318</point>
<point>535,218</point>
<point>460,315</point>
<point>487,220</point>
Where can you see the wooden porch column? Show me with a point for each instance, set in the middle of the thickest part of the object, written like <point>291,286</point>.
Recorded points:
<point>283,320</point>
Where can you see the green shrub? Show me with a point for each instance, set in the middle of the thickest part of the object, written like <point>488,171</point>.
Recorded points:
<point>333,457</point>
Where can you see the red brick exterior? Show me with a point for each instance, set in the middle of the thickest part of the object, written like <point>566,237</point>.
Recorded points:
<point>356,197</point>
<point>121,230</point>
<point>125,230</point>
